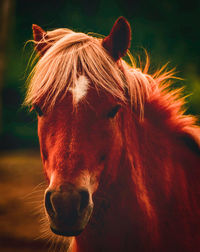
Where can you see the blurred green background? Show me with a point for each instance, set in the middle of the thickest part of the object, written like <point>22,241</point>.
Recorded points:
<point>168,30</point>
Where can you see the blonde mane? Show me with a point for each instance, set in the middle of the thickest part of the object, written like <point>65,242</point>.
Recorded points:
<point>73,54</point>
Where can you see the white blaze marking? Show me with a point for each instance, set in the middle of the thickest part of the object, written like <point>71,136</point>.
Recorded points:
<point>80,89</point>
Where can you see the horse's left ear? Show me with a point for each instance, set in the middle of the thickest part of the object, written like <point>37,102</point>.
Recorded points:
<point>118,41</point>
<point>39,36</point>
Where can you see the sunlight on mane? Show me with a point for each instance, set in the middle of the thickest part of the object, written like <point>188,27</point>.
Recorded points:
<point>74,54</point>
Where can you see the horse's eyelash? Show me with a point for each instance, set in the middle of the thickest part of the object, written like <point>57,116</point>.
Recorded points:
<point>113,112</point>
<point>102,158</point>
<point>38,110</point>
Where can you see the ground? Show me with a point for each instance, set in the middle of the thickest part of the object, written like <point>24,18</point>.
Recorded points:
<point>22,186</point>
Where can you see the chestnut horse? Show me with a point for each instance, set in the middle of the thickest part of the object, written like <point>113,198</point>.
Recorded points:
<point>121,159</point>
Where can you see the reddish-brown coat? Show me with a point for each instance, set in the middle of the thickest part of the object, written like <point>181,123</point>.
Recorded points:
<point>146,187</point>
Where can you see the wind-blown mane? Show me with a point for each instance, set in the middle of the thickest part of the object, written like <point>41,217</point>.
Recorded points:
<point>72,54</point>
<point>154,108</point>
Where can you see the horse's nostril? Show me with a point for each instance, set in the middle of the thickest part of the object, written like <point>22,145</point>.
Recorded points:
<point>84,199</point>
<point>48,203</point>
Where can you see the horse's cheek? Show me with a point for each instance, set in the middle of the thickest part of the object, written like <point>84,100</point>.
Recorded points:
<point>46,147</point>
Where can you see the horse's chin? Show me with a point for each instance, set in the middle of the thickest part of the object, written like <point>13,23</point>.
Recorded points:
<point>67,233</point>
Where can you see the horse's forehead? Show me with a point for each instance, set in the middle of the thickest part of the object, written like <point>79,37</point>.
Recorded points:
<point>80,89</point>
<point>85,97</point>
<point>85,92</point>
<point>82,104</point>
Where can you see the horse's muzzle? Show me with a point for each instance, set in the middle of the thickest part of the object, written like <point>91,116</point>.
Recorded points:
<point>69,209</point>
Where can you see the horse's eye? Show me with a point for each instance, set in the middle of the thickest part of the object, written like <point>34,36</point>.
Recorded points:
<point>102,158</point>
<point>38,110</point>
<point>113,111</point>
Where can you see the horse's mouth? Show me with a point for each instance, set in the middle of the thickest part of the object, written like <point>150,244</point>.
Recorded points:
<point>67,233</point>
<point>70,227</point>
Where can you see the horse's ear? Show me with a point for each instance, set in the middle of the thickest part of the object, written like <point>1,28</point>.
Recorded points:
<point>39,36</point>
<point>118,41</point>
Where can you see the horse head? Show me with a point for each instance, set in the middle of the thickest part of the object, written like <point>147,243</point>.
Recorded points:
<point>120,157</point>
<point>79,135</point>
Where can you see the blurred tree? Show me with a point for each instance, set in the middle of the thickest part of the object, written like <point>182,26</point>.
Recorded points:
<point>6,7</point>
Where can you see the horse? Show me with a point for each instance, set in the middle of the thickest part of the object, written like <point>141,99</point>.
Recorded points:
<point>120,156</point>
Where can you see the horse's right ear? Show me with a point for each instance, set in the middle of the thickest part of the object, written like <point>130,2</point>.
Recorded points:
<point>39,36</point>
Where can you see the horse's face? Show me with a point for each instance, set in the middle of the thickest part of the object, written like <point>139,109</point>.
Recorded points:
<point>78,145</point>
<point>80,137</point>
